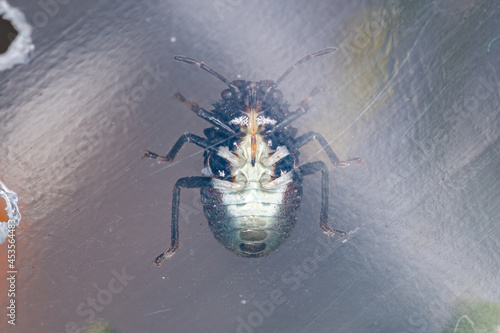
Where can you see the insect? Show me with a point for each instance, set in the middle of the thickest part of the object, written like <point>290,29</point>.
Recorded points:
<point>251,188</point>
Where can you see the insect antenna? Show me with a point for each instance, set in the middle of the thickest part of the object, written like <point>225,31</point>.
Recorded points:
<point>192,61</point>
<point>305,59</point>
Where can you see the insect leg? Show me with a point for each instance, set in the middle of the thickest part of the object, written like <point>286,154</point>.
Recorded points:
<point>308,137</point>
<point>292,116</point>
<point>186,137</point>
<point>304,103</point>
<point>185,182</point>
<point>286,120</point>
<point>202,113</point>
<point>312,168</point>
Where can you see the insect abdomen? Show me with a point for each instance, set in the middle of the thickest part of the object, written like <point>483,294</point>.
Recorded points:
<point>252,222</point>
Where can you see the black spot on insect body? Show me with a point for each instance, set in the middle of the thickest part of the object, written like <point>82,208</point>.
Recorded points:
<point>220,167</point>
<point>283,166</point>
<point>214,135</point>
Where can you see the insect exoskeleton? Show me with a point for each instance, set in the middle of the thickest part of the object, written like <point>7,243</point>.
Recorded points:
<point>251,186</point>
<point>253,204</point>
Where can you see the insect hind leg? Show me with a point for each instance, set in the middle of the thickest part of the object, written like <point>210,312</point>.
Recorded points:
<point>185,182</point>
<point>312,168</point>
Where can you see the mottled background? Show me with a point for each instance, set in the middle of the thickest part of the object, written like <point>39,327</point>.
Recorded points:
<point>414,90</point>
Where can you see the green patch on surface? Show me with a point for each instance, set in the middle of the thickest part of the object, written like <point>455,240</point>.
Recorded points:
<point>474,316</point>
<point>99,327</point>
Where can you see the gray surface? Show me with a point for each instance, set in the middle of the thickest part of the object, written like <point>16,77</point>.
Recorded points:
<point>413,90</point>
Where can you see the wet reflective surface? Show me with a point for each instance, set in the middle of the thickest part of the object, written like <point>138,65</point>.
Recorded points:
<point>414,90</point>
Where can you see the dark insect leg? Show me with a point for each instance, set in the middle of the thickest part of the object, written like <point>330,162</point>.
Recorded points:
<point>186,182</point>
<point>202,113</point>
<point>187,137</point>
<point>286,121</point>
<point>292,116</point>
<point>308,137</point>
<point>309,169</point>
<point>304,103</point>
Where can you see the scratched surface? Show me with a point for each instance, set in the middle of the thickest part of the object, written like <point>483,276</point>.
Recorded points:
<point>414,90</point>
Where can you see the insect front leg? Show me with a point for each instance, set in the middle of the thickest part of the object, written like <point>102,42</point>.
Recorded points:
<point>292,116</point>
<point>202,113</point>
<point>185,182</point>
<point>304,103</point>
<point>186,137</point>
<point>308,137</point>
<point>312,168</point>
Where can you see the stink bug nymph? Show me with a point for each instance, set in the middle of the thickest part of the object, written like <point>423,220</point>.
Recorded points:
<point>251,186</point>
